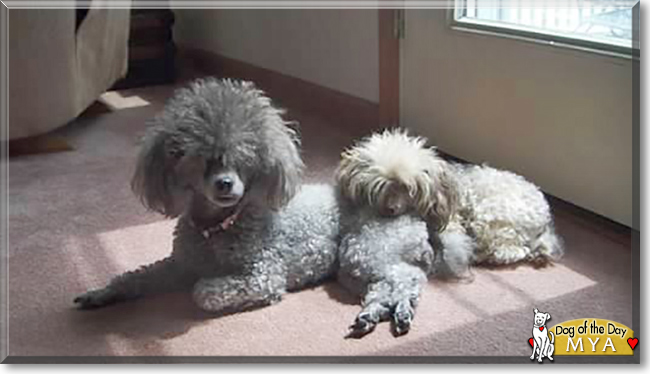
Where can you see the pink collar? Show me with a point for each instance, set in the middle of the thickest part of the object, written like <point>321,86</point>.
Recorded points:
<point>222,226</point>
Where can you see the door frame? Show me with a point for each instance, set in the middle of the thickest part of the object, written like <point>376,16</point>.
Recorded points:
<point>389,92</point>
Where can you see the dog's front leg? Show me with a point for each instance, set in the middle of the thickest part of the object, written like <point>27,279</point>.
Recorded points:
<point>237,293</point>
<point>540,344</point>
<point>544,348</point>
<point>162,276</point>
<point>376,308</point>
<point>406,284</point>
<point>535,347</point>
<point>396,295</point>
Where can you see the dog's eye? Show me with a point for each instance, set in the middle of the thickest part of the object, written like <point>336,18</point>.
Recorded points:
<point>215,164</point>
<point>220,161</point>
<point>177,153</point>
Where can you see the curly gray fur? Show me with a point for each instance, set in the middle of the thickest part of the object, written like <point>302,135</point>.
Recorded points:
<point>221,151</point>
<point>384,260</point>
<point>387,182</point>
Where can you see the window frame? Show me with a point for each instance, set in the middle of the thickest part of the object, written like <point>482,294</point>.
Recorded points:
<point>494,28</point>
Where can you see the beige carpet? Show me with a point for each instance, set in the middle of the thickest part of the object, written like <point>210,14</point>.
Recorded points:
<point>74,223</point>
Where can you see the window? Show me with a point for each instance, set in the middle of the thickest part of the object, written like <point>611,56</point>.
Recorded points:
<point>604,25</point>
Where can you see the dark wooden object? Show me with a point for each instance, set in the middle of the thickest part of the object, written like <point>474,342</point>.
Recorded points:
<point>151,49</point>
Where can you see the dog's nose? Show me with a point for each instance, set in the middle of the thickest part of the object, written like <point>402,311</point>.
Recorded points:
<point>224,184</point>
<point>394,209</point>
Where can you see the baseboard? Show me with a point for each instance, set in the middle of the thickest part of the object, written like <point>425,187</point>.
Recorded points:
<point>358,116</point>
<point>607,227</point>
<point>39,144</point>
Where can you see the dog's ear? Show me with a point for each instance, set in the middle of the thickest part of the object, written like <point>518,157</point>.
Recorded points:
<point>162,171</point>
<point>444,196</point>
<point>347,173</point>
<point>548,316</point>
<point>535,311</point>
<point>285,167</point>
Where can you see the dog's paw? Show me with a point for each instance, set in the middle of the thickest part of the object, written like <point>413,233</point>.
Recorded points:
<point>209,297</point>
<point>95,299</point>
<point>362,326</point>
<point>402,318</point>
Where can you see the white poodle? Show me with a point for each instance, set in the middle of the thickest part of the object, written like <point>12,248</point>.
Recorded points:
<point>506,217</point>
<point>475,214</point>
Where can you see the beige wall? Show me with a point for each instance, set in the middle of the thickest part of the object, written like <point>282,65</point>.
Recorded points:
<point>337,49</point>
<point>561,118</point>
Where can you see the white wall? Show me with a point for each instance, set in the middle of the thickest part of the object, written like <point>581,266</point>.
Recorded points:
<point>562,118</point>
<point>337,49</point>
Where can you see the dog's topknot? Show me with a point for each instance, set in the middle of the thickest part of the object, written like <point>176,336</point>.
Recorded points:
<point>394,156</point>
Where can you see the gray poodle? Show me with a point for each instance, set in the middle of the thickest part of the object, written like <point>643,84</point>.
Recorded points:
<point>388,185</point>
<point>221,158</point>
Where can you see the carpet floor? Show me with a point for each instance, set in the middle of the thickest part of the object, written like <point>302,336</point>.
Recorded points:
<point>74,223</point>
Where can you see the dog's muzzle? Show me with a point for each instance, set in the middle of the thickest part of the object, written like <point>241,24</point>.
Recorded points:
<point>227,189</point>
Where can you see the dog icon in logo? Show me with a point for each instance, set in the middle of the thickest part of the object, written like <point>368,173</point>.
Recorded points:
<point>542,344</point>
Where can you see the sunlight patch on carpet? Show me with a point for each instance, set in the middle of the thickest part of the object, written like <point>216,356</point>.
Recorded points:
<point>500,291</point>
<point>117,101</point>
<point>138,245</point>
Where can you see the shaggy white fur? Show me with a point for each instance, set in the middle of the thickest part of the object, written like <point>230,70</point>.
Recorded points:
<point>395,172</point>
<point>507,217</point>
<point>391,156</point>
<point>476,214</point>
